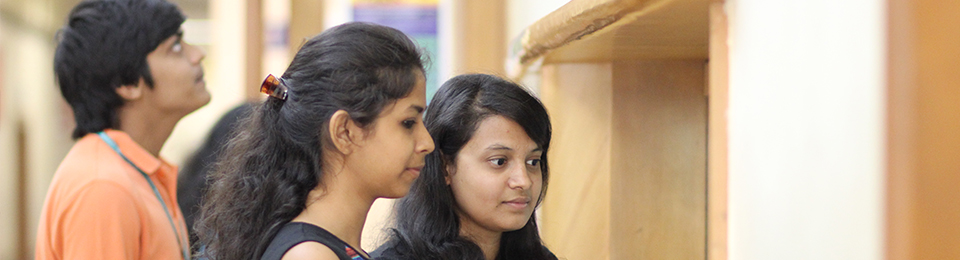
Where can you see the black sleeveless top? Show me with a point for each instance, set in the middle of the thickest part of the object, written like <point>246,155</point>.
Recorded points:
<point>294,233</point>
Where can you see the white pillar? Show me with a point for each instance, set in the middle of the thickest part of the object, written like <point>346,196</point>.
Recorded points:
<point>806,129</point>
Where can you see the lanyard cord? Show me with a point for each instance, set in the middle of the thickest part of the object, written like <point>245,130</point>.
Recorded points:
<point>116,148</point>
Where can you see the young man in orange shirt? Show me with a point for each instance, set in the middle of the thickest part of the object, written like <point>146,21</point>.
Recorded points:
<point>123,67</point>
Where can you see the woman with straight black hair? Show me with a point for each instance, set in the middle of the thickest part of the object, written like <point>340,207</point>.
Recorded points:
<point>341,128</point>
<point>480,188</point>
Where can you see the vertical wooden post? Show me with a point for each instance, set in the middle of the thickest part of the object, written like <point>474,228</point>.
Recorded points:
<point>306,20</point>
<point>23,248</point>
<point>924,130</point>
<point>254,51</point>
<point>481,37</point>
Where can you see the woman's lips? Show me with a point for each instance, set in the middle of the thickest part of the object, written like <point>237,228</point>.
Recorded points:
<point>518,203</point>
<point>415,170</point>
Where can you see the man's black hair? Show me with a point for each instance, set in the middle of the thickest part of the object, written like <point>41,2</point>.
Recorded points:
<point>103,46</point>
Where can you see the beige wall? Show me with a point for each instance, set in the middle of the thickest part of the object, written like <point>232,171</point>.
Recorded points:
<point>34,121</point>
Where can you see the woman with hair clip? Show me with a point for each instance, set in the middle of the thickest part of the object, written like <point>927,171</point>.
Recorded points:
<point>341,128</point>
<point>480,188</point>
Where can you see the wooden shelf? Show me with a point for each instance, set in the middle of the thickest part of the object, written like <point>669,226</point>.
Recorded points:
<point>614,30</point>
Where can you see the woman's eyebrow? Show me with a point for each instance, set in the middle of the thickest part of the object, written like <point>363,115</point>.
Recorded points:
<point>417,108</point>
<point>499,147</point>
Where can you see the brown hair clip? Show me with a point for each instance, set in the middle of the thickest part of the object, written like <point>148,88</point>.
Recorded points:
<point>274,87</point>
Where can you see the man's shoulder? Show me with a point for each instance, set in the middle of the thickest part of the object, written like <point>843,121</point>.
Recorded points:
<point>90,161</point>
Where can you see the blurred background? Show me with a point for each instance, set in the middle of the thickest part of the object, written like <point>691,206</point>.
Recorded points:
<point>683,129</point>
<point>245,40</point>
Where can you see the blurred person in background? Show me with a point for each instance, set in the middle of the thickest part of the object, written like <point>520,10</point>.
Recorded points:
<point>479,189</point>
<point>342,127</point>
<point>124,69</point>
<point>192,183</point>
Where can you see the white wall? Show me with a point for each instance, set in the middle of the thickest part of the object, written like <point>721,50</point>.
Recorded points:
<point>806,122</point>
<point>523,13</point>
<point>520,15</point>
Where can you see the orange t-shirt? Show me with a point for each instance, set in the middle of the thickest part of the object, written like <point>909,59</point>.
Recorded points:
<point>100,207</point>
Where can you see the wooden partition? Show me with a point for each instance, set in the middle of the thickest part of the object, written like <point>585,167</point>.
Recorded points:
<point>625,84</point>
<point>576,210</point>
<point>658,162</point>
<point>628,159</point>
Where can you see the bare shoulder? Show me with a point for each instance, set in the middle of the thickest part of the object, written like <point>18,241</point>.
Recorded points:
<point>310,251</point>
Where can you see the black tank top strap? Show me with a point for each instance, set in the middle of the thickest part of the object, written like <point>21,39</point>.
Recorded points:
<point>294,233</point>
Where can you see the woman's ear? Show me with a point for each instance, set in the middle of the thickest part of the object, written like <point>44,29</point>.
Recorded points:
<point>451,170</point>
<point>339,128</point>
<point>344,132</point>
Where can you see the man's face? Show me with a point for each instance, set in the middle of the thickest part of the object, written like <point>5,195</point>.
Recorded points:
<point>178,84</point>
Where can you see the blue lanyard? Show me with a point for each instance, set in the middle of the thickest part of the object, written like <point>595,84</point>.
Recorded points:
<point>116,148</point>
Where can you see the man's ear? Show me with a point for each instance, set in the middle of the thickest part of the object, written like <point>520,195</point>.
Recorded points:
<point>131,92</point>
<point>344,132</point>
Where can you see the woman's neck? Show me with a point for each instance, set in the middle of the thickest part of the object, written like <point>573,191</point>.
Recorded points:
<point>489,241</point>
<point>338,209</point>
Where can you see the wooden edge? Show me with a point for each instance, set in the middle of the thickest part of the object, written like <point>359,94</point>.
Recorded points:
<point>900,132</point>
<point>573,21</point>
<point>717,134</point>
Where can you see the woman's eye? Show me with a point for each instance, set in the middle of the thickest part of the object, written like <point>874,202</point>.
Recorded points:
<point>409,123</point>
<point>499,161</point>
<point>533,162</point>
<point>177,47</point>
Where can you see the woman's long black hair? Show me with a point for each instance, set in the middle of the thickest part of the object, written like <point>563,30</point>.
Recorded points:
<point>427,225</point>
<point>268,169</point>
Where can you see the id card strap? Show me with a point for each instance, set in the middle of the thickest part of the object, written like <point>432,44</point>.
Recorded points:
<point>156,192</point>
